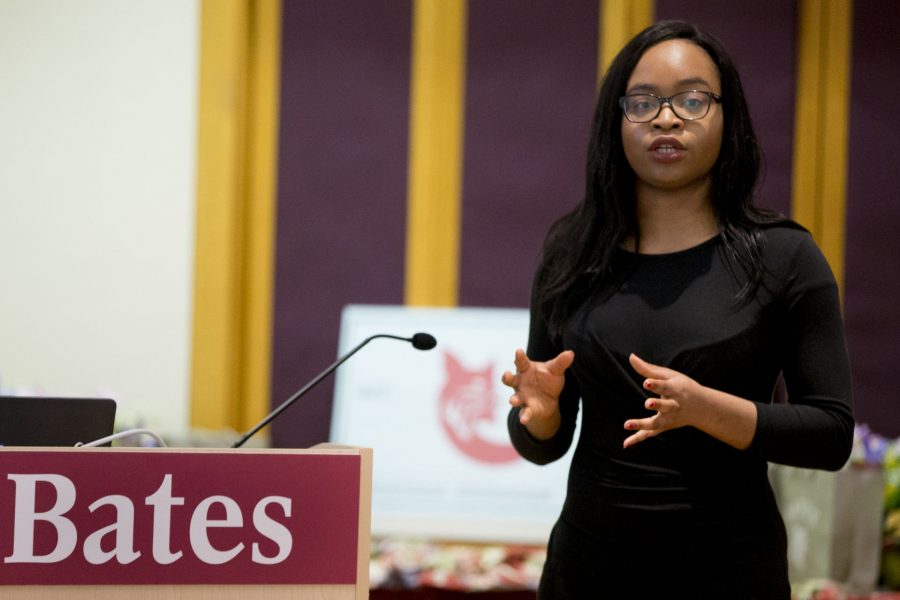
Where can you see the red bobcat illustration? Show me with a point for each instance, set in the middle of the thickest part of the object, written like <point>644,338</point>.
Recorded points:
<point>467,407</point>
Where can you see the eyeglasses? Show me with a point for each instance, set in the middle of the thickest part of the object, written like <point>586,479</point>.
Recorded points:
<point>689,106</point>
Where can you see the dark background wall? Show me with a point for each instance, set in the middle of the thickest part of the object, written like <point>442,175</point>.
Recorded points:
<point>531,78</point>
<point>872,282</point>
<point>341,188</point>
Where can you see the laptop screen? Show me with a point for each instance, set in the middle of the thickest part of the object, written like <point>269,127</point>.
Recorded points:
<point>42,421</point>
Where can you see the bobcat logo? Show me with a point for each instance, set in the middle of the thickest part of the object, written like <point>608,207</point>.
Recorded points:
<point>467,409</point>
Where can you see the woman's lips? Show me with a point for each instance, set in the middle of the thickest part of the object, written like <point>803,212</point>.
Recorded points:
<point>666,150</point>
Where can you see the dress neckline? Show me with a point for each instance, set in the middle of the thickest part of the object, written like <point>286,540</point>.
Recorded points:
<point>713,241</point>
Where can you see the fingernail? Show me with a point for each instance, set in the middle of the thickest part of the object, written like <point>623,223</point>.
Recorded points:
<point>648,385</point>
<point>629,425</point>
<point>651,404</point>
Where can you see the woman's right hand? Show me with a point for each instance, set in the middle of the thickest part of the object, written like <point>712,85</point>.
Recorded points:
<point>537,387</point>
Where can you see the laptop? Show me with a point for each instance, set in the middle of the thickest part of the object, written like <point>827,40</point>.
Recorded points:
<point>43,421</point>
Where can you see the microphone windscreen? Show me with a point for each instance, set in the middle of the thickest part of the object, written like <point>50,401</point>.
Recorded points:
<point>423,341</point>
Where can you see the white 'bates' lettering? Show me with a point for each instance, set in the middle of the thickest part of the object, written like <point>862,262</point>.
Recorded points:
<point>162,501</point>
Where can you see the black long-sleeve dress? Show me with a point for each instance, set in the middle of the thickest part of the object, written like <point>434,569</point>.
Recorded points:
<point>683,514</point>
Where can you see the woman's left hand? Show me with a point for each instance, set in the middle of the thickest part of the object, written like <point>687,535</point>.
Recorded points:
<point>679,398</point>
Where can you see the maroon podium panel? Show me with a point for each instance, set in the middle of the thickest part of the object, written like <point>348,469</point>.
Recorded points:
<point>110,516</point>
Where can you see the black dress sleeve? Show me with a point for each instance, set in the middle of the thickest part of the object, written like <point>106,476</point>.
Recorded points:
<point>542,346</point>
<point>814,429</point>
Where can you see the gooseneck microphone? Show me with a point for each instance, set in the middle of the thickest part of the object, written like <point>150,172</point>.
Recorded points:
<point>420,341</point>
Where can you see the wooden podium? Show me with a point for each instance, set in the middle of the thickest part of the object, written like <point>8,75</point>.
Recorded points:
<point>105,523</point>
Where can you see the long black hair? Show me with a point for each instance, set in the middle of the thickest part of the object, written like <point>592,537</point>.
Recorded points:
<point>577,255</point>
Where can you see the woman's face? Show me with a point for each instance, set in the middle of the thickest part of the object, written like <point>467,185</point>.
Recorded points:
<point>670,153</point>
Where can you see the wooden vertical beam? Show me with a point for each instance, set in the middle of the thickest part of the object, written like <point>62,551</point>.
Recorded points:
<point>236,155</point>
<point>620,20</point>
<point>264,77</point>
<point>437,101</point>
<point>821,130</point>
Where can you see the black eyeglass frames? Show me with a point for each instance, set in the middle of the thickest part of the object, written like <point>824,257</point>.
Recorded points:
<point>689,106</point>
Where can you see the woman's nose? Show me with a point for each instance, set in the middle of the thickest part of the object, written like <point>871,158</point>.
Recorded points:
<point>667,119</point>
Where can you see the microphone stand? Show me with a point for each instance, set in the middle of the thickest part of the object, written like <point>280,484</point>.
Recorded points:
<point>287,403</point>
